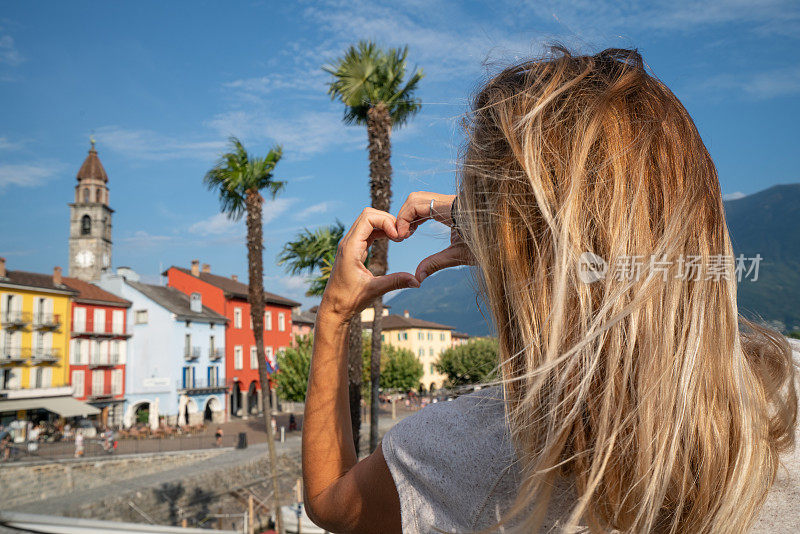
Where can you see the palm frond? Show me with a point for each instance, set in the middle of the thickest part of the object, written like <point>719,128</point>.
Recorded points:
<point>367,75</point>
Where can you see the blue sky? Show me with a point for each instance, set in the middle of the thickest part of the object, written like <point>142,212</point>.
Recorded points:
<point>163,84</point>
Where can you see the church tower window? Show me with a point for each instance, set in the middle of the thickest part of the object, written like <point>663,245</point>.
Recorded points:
<point>86,194</point>
<point>86,225</point>
<point>98,197</point>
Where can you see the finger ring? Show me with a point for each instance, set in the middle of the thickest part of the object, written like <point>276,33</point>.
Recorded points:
<point>430,214</point>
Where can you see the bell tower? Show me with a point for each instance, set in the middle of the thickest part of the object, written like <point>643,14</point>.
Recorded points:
<point>90,221</point>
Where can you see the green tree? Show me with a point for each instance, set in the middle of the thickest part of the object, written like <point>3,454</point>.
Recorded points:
<point>313,253</point>
<point>239,179</point>
<point>400,369</point>
<point>471,363</point>
<point>371,83</point>
<point>293,365</point>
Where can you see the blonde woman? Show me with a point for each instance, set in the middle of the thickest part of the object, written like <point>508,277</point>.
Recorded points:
<point>636,401</point>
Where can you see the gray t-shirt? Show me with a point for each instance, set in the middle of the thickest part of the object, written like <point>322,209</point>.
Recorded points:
<point>454,467</point>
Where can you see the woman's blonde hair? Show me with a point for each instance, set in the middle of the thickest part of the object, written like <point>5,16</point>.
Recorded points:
<point>645,387</point>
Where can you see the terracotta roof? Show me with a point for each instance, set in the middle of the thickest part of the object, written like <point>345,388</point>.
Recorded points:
<point>234,288</point>
<point>91,293</point>
<point>92,168</point>
<point>399,322</point>
<point>176,302</point>
<point>37,280</point>
<point>461,335</point>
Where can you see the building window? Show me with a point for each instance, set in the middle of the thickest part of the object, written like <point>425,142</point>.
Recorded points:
<point>237,357</point>
<point>237,317</point>
<point>419,336</point>
<point>118,322</point>
<point>432,369</point>
<point>115,357</point>
<point>116,382</point>
<point>98,382</point>
<point>268,320</point>
<point>78,384</point>
<point>430,336</point>
<point>188,377</point>
<point>281,322</point>
<point>140,316</point>
<point>383,337</point>
<point>441,336</point>
<point>86,194</point>
<point>98,195</point>
<point>430,351</point>
<point>86,225</point>
<point>421,352</point>
<point>270,356</point>
<point>213,376</point>
<point>253,358</point>
<point>99,320</point>
<point>405,336</point>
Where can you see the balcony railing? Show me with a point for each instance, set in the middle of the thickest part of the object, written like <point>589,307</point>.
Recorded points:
<point>10,354</point>
<point>103,393</point>
<point>15,318</point>
<point>45,354</point>
<point>191,353</point>
<point>87,329</point>
<point>196,385</point>
<point>214,353</point>
<point>111,361</point>
<point>46,321</point>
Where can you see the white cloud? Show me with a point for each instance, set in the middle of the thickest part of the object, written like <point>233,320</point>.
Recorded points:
<point>5,144</point>
<point>220,225</point>
<point>216,225</point>
<point>149,145</point>
<point>142,240</point>
<point>301,134</point>
<point>733,196</point>
<point>8,51</point>
<point>28,174</point>
<point>321,207</point>
<point>759,85</point>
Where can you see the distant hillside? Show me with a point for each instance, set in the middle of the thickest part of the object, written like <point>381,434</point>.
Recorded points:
<point>446,297</point>
<point>766,223</point>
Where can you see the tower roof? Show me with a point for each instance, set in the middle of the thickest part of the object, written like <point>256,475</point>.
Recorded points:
<point>92,168</point>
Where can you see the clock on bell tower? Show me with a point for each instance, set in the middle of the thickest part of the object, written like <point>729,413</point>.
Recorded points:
<point>90,221</point>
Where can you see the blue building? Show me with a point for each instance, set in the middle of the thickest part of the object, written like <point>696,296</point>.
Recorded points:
<point>175,355</point>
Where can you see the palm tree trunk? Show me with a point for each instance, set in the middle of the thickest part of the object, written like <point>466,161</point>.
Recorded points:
<point>354,370</point>
<point>379,134</point>
<point>255,262</point>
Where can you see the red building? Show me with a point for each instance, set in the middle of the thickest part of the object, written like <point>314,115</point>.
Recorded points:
<point>228,297</point>
<point>98,349</point>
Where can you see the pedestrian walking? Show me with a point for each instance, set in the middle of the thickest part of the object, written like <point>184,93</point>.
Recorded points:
<point>78,443</point>
<point>218,435</point>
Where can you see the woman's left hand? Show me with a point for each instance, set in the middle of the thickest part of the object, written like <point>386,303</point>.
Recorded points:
<point>351,286</point>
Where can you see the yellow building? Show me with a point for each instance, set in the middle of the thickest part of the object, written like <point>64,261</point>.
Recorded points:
<point>34,343</point>
<point>425,339</point>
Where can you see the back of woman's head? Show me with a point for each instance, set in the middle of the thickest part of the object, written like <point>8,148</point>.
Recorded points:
<point>639,381</point>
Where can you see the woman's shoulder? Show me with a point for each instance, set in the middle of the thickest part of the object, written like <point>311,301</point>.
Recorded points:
<point>451,461</point>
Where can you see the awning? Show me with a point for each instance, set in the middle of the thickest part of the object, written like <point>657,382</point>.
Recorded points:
<point>63,406</point>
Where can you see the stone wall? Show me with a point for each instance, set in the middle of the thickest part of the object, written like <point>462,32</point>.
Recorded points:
<point>24,483</point>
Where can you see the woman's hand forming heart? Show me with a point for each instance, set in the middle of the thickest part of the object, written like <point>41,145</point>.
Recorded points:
<point>351,287</point>
<point>423,206</point>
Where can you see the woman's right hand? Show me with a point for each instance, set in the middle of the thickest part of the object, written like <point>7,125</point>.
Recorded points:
<point>422,206</point>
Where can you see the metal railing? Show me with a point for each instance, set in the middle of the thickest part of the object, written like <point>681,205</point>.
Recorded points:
<point>191,353</point>
<point>111,361</point>
<point>11,354</point>
<point>205,384</point>
<point>15,318</point>
<point>46,320</point>
<point>214,353</point>
<point>45,354</point>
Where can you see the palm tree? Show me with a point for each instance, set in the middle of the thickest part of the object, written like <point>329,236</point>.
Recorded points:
<point>239,178</point>
<point>371,84</point>
<point>314,253</point>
